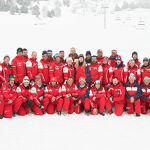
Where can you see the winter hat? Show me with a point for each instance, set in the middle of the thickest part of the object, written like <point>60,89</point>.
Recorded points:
<point>56,55</point>
<point>6,56</point>
<point>19,50</point>
<point>49,51</point>
<point>118,58</point>
<point>134,53</point>
<point>69,59</point>
<point>147,78</point>
<point>99,50</point>
<point>114,51</point>
<point>97,82</point>
<point>88,53</point>
<point>44,53</point>
<point>131,61</point>
<point>26,80</point>
<point>11,77</point>
<point>81,79</point>
<point>105,58</point>
<point>145,59</point>
<point>38,77</point>
<point>81,55</point>
<point>53,79</point>
<point>94,56</point>
<point>131,75</point>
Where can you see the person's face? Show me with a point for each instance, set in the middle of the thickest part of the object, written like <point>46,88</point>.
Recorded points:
<point>81,82</point>
<point>145,63</point>
<point>6,60</point>
<point>113,54</point>
<point>146,82</point>
<point>115,81</point>
<point>131,80</point>
<point>99,54</point>
<point>81,59</point>
<point>94,60</point>
<point>134,56</point>
<point>69,62</point>
<point>11,82</point>
<point>38,82</point>
<point>118,62</point>
<point>58,59</point>
<point>88,56</point>
<point>53,83</point>
<point>97,86</point>
<point>19,54</point>
<point>62,54</point>
<point>34,55</point>
<point>25,53</point>
<point>70,81</point>
<point>45,57</point>
<point>26,84</point>
<point>132,64</point>
<point>105,61</point>
<point>72,51</point>
<point>49,54</point>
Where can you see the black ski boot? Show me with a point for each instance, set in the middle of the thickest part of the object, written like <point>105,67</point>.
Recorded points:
<point>138,115</point>
<point>1,116</point>
<point>102,114</point>
<point>59,113</point>
<point>87,112</point>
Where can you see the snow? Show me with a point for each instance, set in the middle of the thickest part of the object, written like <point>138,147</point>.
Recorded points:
<point>85,33</point>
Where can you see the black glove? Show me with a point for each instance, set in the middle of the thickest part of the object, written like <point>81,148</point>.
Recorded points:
<point>44,84</point>
<point>29,103</point>
<point>108,85</point>
<point>41,106</point>
<point>17,83</point>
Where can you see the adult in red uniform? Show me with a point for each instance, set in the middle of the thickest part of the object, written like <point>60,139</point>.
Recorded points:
<point>132,95</point>
<point>145,69</point>
<point>83,97</point>
<point>37,93</point>
<point>145,95</point>
<point>5,70</point>
<point>96,71</point>
<point>1,105</point>
<point>107,73</point>
<point>53,94</point>
<point>32,67</point>
<point>19,67</point>
<point>56,69</point>
<point>23,101</point>
<point>50,57</point>
<point>68,69</point>
<point>120,71</point>
<point>115,95</point>
<point>73,55</point>
<point>97,98</point>
<point>100,56</point>
<point>112,58</point>
<point>44,68</point>
<point>70,94</point>
<point>132,68</point>
<point>25,55</point>
<point>10,95</point>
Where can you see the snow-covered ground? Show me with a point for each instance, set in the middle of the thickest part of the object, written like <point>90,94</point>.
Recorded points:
<point>50,132</point>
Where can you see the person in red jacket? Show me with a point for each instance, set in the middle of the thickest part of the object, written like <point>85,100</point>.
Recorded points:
<point>132,95</point>
<point>37,93</point>
<point>68,69</point>
<point>112,58</point>
<point>32,67</point>
<point>135,58</point>
<point>97,98</point>
<point>132,68</point>
<point>19,67</point>
<point>25,55</point>
<point>10,95</point>
<point>145,69</point>
<point>56,69</point>
<point>83,97</point>
<point>1,105</point>
<point>116,96</point>
<point>44,68</point>
<point>100,56</point>
<point>120,71</point>
<point>50,57</point>
<point>53,94</point>
<point>81,70</point>
<point>96,71</point>
<point>70,94</point>
<point>73,55</point>
<point>107,73</point>
<point>62,55</point>
<point>5,70</point>
<point>145,95</point>
<point>23,102</point>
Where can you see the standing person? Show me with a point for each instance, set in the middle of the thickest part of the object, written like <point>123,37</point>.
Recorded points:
<point>96,71</point>
<point>19,67</point>
<point>1,105</point>
<point>10,95</point>
<point>68,69</point>
<point>73,55</point>
<point>100,56</point>
<point>120,71</point>
<point>112,58</point>
<point>70,94</point>
<point>135,58</point>
<point>56,69</point>
<point>116,96</point>
<point>25,55</point>
<point>62,55</point>
<point>23,102</point>
<point>53,94</point>
<point>132,68</point>
<point>88,58</point>
<point>5,70</point>
<point>145,95</point>
<point>50,56</point>
<point>107,73</point>
<point>44,68</point>
<point>145,69</point>
<point>98,98</point>
<point>81,70</point>
<point>83,97</point>
<point>32,67</point>
<point>37,93</point>
<point>132,95</point>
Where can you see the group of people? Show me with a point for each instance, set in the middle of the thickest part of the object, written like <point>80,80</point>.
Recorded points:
<point>94,84</point>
